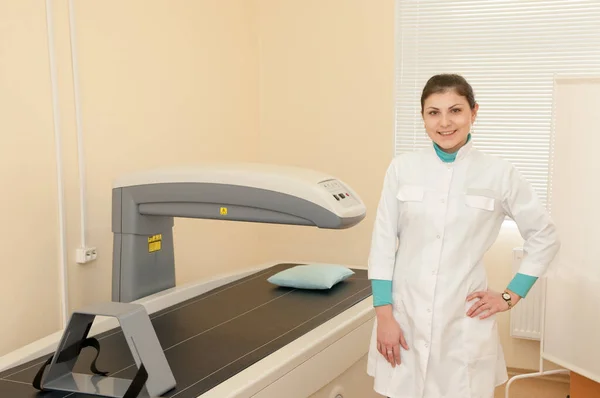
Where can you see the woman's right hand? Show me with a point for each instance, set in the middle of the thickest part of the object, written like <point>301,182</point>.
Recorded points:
<point>389,335</point>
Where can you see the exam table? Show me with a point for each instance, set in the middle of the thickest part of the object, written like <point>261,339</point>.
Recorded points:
<point>235,334</point>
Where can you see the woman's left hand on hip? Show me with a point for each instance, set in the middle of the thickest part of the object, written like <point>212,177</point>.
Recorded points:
<point>489,301</point>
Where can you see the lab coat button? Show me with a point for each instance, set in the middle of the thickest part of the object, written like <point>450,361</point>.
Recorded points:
<point>438,236</point>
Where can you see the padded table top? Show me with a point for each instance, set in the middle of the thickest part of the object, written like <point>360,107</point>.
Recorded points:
<point>213,336</point>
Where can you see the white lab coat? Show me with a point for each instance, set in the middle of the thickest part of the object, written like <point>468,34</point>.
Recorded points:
<point>433,225</point>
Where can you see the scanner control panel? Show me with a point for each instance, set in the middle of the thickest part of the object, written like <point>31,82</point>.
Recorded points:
<point>339,192</point>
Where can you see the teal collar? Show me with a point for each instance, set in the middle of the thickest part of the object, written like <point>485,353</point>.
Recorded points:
<point>445,156</point>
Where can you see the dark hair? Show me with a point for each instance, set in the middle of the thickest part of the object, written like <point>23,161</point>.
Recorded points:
<point>445,82</point>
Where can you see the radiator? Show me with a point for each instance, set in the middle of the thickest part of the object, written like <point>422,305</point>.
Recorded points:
<point>526,316</point>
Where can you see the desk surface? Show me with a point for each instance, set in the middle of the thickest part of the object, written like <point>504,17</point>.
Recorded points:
<point>213,336</point>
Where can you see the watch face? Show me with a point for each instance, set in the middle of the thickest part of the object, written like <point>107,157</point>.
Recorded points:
<point>506,296</point>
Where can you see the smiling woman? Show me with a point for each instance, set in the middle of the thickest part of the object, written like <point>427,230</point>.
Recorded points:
<point>449,110</point>
<point>441,209</point>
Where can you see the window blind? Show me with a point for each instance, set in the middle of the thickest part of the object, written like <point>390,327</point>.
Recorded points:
<point>509,51</point>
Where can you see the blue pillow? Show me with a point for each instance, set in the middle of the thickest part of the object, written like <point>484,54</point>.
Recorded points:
<point>311,276</point>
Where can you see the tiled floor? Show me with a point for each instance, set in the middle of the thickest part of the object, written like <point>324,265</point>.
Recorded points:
<point>535,388</point>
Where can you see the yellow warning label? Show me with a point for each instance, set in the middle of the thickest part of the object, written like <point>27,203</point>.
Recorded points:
<point>154,243</point>
<point>154,246</point>
<point>223,211</point>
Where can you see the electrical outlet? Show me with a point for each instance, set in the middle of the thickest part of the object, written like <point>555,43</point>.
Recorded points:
<point>86,254</point>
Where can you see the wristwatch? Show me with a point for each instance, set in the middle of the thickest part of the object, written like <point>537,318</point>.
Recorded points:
<point>506,297</point>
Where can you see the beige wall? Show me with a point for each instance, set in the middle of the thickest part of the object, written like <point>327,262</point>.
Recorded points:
<point>305,83</point>
<point>162,83</point>
<point>28,238</point>
<point>326,102</point>
<point>165,83</point>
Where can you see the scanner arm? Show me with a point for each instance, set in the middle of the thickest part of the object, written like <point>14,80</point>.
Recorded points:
<point>144,209</point>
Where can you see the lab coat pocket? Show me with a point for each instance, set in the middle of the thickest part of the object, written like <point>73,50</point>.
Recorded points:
<point>410,193</point>
<point>480,202</point>
<point>410,203</point>
<point>480,336</point>
<point>481,348</point>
